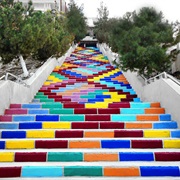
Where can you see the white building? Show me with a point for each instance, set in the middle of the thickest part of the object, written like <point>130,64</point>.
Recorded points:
<point>90,22</point>
<point>44,5</point>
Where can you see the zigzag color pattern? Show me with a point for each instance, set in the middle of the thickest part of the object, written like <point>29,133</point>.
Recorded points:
<point>87,112</point>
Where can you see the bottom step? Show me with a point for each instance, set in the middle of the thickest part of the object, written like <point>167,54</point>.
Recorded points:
<point>97,178</point>
<point>89,171</point>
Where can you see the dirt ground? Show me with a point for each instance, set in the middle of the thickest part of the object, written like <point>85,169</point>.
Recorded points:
<point>32,65</point>
<point>15,68</point>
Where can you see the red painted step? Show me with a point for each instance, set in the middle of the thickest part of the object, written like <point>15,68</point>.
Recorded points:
<point>97,117</point>
<point>30,157</point>
<point>111,125</point>
<point>68,134</point>
<point>119,105</point>
<point>73,105</point>
<point>128,133</point>
<point>85,111</point>
<point>85,125</point>
<point>8,172</point>
<point>147,144</point>
<point>109,111</point>
<point>15,111</point>
<point>167,156</point>
<point>51,144</point>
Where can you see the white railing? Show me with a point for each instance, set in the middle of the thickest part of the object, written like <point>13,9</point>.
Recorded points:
<point>18,79</point>
<point>159,76</point>
<point>2,77</point>
<point>107,51</point>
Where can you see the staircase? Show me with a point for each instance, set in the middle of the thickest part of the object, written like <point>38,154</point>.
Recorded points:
<point>86,121</point>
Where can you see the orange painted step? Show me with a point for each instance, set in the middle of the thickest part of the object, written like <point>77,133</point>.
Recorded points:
<point>138,125</point>
<point>155,104</point>
<point>147,118</point>
<point>98,134</point>
<point>84,144</point>
<point>120,171</point>
<point>155,111</point>
<point>91,157</point>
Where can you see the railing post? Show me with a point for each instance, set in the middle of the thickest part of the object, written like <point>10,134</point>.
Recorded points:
<point>165,75</point>
<point>6,77</point>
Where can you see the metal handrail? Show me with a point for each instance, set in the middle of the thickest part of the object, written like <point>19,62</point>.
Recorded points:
<point>161,75</point>
<point>2,77</point>
<point>173,79</point>
<point>148,81</point>
<point>19,80</point>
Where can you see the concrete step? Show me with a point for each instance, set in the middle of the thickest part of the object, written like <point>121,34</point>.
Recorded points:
<point>90,156</point>
<point>91,143</point>
<point>86,122</point>
<point>27,122</point>
<point>37,116</point>
<point>99,178</point>
<point>91,111</point>
<point>100,133</point>
<point>89,170</point>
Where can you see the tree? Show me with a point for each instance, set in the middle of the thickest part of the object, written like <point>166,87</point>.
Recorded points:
<point>118,30</point>
<point>142,42</point>
<point>26,33</point>
<point>56,37</point>
<point>101,25</point>
<point>11,18</point>
<point>76,21</point>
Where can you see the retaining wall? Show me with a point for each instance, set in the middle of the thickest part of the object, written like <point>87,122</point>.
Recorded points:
<point>164,91</point>
<point>12,92</point>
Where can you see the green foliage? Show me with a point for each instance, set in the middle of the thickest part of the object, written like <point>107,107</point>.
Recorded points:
<point>142,40</point>
<point>31,33</point>
<point>52,37</point>
<point>10,24</point>
<point>76,21</point>
<point>102,27</point>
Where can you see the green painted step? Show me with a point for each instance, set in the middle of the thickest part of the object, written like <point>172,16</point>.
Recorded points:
<point>58,76</point>
<point>41,97</point>
<point>61,111</point>
<point>46,100</point>
<point>72,118</point>
<point>39,93</point>
<point>52,105</point>
<point>88,96</point>
<point>101,91</point>
<point>64,156</point>
<point>83,171</point>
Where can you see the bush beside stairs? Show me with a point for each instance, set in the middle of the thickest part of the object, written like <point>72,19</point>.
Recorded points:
<point>86,121</point>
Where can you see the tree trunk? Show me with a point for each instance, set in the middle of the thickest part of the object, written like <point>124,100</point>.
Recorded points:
<point>23,65</point>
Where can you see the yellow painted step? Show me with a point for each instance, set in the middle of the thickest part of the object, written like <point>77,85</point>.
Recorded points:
<point>6,156</point>
<point>22,144</point>
<point>56,125</point>
<point>97,105</point>
<point>40,134</point>
<point>172,143</point>
<point>156,133</point>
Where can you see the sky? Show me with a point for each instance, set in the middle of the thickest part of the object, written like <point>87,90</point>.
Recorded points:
<point>117,8</point>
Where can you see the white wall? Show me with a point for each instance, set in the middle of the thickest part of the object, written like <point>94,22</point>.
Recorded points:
<point>164,91</point>
<point>12,92</point>
<point>44,5</point>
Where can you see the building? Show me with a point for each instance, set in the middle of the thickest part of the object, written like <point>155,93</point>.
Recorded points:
<point>90,24</point>
<point>44,5</point>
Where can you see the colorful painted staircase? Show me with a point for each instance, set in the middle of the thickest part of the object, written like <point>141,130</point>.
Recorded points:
<point>87,121</point>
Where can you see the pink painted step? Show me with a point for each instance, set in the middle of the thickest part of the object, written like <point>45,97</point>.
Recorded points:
<point>15,111</point>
